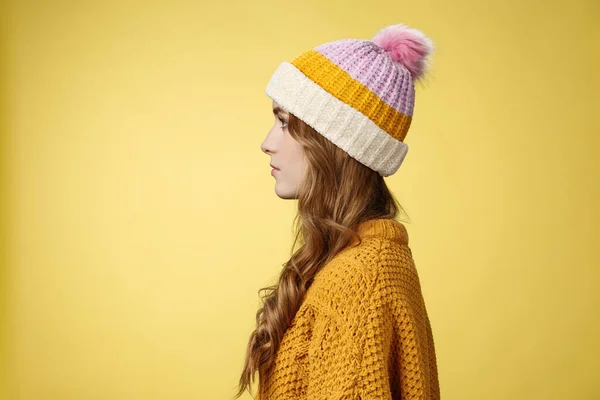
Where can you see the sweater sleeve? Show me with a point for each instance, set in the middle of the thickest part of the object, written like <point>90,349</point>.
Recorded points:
<point>381,350</point>
<point>398,356</point>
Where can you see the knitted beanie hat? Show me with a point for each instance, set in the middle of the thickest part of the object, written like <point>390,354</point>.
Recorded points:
<point>358,93</point>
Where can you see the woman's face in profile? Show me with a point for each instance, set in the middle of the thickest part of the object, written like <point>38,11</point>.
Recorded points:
<point>287,155</point>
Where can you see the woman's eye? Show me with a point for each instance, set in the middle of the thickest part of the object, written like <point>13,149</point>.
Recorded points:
<point>282,121</point>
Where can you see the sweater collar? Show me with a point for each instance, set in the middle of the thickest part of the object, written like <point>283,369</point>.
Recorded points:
<point>385,228</point>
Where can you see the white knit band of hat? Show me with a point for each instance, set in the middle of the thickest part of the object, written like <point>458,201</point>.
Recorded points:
<point>343,125</point>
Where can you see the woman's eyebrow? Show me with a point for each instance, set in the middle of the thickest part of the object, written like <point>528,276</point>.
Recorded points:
<point>278,110</point>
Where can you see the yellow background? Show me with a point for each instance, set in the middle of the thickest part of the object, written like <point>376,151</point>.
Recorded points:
<point>139,217</point>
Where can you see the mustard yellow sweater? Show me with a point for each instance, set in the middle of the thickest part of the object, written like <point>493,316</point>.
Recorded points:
<point>362,332</point>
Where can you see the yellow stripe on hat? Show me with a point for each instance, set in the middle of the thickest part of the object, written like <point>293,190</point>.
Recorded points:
<point>340,84</point>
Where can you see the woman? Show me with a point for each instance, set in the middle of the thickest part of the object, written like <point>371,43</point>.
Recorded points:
<point>346,319</point>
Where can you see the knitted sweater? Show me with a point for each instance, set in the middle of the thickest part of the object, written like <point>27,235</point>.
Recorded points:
<point>362,331</point>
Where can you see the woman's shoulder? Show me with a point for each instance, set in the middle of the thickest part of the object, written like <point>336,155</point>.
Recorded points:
<point>346,282</point>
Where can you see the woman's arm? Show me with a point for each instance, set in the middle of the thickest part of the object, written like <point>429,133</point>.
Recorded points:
<point>377,345</point>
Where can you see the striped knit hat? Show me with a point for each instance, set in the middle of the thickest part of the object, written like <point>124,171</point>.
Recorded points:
<point>358,93</point>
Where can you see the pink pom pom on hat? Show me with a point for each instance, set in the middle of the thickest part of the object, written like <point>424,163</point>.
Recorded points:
<point>358,93</point>
<point>406,46</point>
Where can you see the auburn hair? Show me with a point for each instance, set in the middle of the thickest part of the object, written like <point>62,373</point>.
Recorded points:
<point>336,195</point>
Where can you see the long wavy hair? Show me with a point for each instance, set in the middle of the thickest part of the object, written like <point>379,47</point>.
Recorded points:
<point>337,194</point>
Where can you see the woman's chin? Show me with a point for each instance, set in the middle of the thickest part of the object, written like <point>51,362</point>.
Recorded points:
<point>283,192</point>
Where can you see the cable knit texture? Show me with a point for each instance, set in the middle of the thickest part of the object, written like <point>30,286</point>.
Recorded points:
<point>362,331</point>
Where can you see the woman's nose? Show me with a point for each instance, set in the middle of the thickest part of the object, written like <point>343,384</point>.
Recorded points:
<point>266,145</point>
<point>263,148</point>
